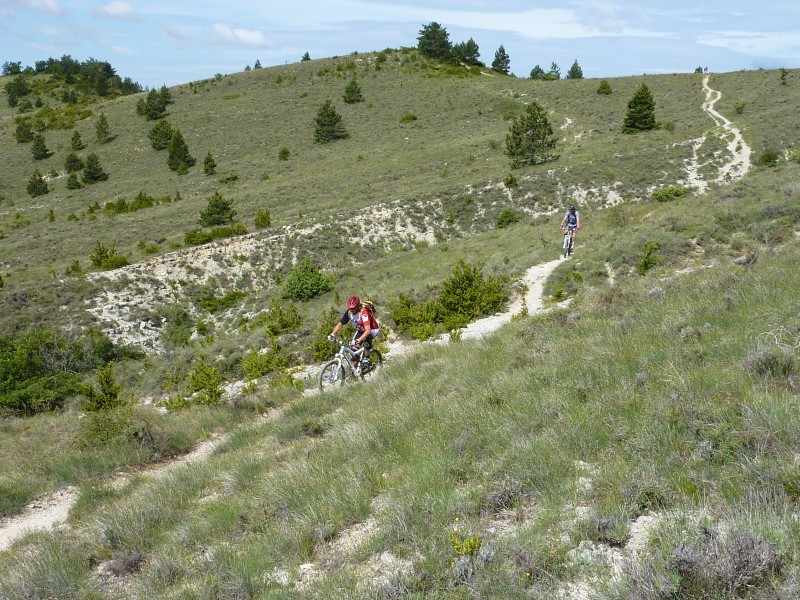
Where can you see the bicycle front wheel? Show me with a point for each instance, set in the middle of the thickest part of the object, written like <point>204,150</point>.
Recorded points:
<point>331,375</point>
<point>375,362</point>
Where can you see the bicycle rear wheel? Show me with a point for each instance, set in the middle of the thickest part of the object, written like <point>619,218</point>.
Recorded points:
<point>331,375</point>
<point>566,245</point>
<point>373,366</point>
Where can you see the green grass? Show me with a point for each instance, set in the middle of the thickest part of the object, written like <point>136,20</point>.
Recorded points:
<point>656,383</point>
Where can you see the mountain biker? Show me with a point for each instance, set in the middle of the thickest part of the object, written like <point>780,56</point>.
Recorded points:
<point>362,315</point>
<point>572,221</point>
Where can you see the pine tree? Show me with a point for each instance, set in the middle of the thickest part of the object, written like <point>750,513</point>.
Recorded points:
<point>328,124</point>
<point>218,212</point>
<point>467,53</point>
<point>101,128</point>
<point>73,162</point>
<point>92,171</point>
<point>209,165</point>
<point>37,186</point>
<point>554,74</point>
<point>179,158</point>
<point>501,62</point>
<point>76,143</point>
<point>73,183</point>
<point>352,93</point>
<point>575,71</point>
<point>530,139</point>
<point>641,115</point>
<point>165,96</point>
<point>39,147</point>
<point>537,72</point>
<point>160,135</point>
<point>434,41</point>
<point>604,88</point>
<point>24,133</point>
<point>257,65</point>
<point>305,58</point>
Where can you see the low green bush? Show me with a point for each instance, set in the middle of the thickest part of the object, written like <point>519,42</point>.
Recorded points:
<point>507,217</point>
<point>666,194</point>
<point>305,281</point>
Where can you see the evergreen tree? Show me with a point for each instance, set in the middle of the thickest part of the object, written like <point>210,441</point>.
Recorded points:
<point>153,107</point>
<point>218,212</point>
<point>101,128</point>
<point>501,62</point>
<point>537,72</point>
<point>160,135</point>
<point>434,41</point>
<point>467,53</point>
<point>328,124</point>
<point>73,183</point>
<point>641,115</point>
<point>16,89</point>
<point>257,65</point>
<point>73,162</point>
<point>179,157</point>
<point>24,132</point>
<point>39,147</point>
<point>352,93</point>
<point>554,74</point>
<point>209,165</point>
<point>92,171</point>
<point>305,57</point>
<point>575,71</point>
<point>530,139</point>
<point>37,186</point>
<point>604,88</point>
<point>76,143</point>
<point>165,96</point>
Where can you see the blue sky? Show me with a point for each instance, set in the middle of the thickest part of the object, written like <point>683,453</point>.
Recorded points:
<point>168,42</point>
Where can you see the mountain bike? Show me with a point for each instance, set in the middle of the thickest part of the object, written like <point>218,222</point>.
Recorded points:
<point>569,241</point>
<point>342,368</point>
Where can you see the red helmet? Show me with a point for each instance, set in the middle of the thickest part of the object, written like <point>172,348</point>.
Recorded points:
<point>353,302</point>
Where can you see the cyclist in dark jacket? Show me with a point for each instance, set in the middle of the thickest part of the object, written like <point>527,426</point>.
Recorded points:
<point>572,221</point>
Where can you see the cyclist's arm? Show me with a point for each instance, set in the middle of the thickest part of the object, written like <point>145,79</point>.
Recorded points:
<point>564,220</point>
<point>578,222</point>
<point>336,328</point>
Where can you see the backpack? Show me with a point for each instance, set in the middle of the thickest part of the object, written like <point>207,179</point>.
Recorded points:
<point>370,308</point>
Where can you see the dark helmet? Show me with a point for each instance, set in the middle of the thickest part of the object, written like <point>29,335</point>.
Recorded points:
<point>572,207</point>
<point>353,302</point>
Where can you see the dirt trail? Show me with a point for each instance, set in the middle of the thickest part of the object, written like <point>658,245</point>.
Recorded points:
<point>739,163</point>
<point>53,510</point>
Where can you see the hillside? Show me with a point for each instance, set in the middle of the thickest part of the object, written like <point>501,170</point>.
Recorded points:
<point>638,442</point>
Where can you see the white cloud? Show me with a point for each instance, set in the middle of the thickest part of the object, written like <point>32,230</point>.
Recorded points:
<point>244,37</point>
<point>117,10</point>
<point>45,6</point>
<point>758,43</point>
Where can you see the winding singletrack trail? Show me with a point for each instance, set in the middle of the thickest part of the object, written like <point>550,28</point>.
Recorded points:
<point>53,510</point>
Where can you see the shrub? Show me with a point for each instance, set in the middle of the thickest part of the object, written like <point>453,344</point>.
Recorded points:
<point>768,158</point>
<point>258,363</point>
<point>649,259</point>
<point>205,382</point>
<point>507,217</point>
<point>178,325</point>
<point>282,317</point>
<point>106,257</point>
<point>263,218</point>
<point>407,117</point>
<point>666,194</point>
<point>195,237</point>
<point>794,156</point>
<point>739,107</point>
<point>37,186</point>
<point>107,397</point>
<point>320,347</point>
<point>511,181</point>
<point>305,281</point>
<point>283,153</point>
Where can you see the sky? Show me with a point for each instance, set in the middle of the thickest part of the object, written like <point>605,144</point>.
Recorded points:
<point>169,42</point>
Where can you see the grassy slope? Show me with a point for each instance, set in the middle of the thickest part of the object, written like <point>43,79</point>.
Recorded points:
<point>660,381</point>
